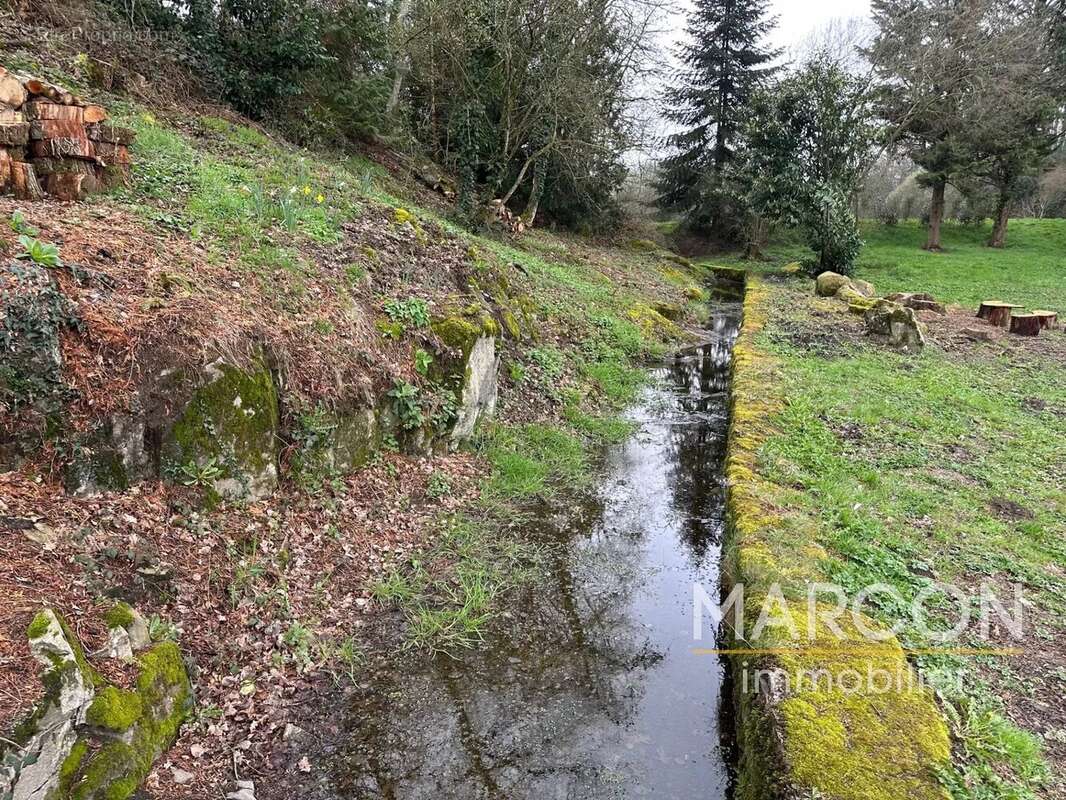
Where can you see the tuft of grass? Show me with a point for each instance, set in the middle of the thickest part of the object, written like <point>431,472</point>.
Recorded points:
<point>531,461</point>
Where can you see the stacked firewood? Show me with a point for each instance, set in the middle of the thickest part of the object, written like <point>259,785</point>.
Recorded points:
<point>54,143</point>
<point>503,215</point>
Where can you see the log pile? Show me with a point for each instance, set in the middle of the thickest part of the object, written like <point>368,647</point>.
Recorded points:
<point>54,143</point>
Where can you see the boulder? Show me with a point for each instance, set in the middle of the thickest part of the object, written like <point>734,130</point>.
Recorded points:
<point>468,362</point>
<point>898,323</point>
<point>829,283</point>
<point>478,400</point>
<point>850,295</point>
<point>919,301</point>
<point>227,438</point>
<point>865,288</point>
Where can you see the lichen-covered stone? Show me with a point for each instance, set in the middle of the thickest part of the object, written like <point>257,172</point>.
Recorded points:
<point>478,399</point>
<point>127,632</point>
<point>336,442</point>
<point>829,283</point>
<point>865,288</point>
<point>898,323</point>
<point>111,459</point>
<point>849,294</point>
<point>229,431</point>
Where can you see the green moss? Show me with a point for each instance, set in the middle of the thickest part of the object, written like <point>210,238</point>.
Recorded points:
<point>402,215</point>
<point>232,421</point>
<point>510,324</point>
<point>68,770</point>
<point>114,709</point>
<point>457,333</point>
<point>390,329</point>
<point>837,741</point>
<point>653,324</point>
<point>119,615</point>
<point>118,769</point>
<point>643,245</point>
<point>39,625</point>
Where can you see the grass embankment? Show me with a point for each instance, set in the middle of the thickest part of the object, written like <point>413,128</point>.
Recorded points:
<point>872,467</point>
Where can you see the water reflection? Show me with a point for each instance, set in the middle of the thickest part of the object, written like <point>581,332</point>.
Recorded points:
<point>599,694</point>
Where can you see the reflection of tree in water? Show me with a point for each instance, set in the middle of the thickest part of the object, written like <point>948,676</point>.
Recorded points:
<point>555,710</point>
<point>700,379</point>
<point>542,717</point>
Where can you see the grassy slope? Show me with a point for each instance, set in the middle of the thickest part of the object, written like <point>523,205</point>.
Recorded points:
<point>298,240</point>
<point>901,469</point>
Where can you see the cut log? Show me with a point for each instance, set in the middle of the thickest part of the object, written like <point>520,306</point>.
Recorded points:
<point>24,183</point>
<point>57,94</point>
<point>66,186</point>
<point>112,134</point>
<point>12,92</point>
<point>63,148</point>
<point>978,334</point>
<point>14,134</point>
<point>43,109</point>
<point>996,312</point>
<point>5,170</point>
<point>1025,325</point>
<point>108,153</point>
<point>92,114</point>
<point>10,115</point>
<point>57,129</point>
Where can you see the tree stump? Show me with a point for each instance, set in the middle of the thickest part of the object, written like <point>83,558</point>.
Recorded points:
<point>996,312</point>
<point>1048,319</point>
<point>1025,325</point>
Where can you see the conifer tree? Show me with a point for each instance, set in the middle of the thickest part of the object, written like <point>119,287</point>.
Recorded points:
<point>724,63</point>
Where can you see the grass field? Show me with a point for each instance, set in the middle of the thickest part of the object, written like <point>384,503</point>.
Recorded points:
<point>945,467</point>
<point>1030,270</point>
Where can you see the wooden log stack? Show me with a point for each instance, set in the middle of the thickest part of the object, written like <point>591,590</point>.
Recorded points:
<point>54,143</point>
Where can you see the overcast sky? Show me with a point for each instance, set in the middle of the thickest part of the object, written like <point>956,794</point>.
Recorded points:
<point>797,19</point>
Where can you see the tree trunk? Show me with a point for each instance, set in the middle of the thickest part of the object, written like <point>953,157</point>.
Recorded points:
<point>756,239</point>
<point>999,229</point>
<point>400,67</point>
<point>1025,325</point>
<point>536,190</point>
<point>936,215</point>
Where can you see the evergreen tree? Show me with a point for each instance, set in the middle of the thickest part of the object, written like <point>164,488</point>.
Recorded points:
<point>725,62</point>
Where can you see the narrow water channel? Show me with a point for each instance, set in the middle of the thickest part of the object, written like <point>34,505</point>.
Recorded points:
<point>600,695</point>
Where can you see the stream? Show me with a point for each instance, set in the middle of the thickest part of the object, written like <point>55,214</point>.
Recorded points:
<point>600,695</point>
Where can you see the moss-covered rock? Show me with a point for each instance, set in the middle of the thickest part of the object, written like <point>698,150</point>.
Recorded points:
<point>163,697</point>
<point>114,709</point>
<point>87,739</point>
<point>828,284</point>
<point>653,324</point>
<point>228,435</point>
<point>335,442</point>
<point>112,458</point>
